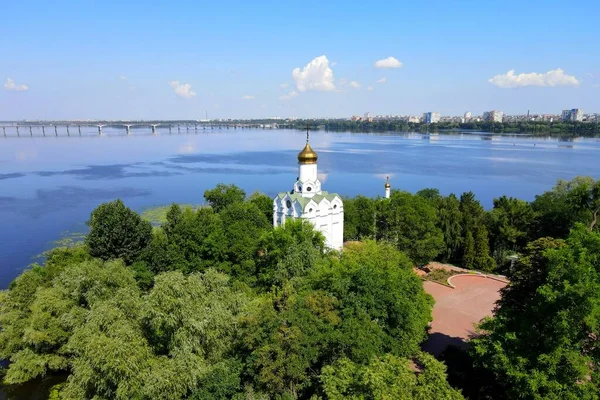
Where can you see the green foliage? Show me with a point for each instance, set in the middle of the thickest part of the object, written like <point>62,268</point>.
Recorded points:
<point>388,378</point>
<point>450,223</point>
<point>264,204</point>
<point>543,341</point>
<point>409,223</point>
<point>158,215</point>
<point>482,261</point>
<point>359,218</point>
<point>223,196</point>
<point>287,252</point>
<point>286,335</point>
<point>291,320</point>
<point>243,225</point>
<point>40,328</point>
<point>117,232</point>
<point>569,202</point>
<point>382,303</point>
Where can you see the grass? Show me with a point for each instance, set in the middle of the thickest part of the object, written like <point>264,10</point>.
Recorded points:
<point>440,275</point>
<point>158,215</point>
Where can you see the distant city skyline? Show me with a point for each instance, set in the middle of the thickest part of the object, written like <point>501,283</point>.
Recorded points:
<point>115,60</point>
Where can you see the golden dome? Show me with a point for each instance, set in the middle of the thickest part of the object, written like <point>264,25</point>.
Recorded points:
<point>307,155</point>
<point>387,183</point>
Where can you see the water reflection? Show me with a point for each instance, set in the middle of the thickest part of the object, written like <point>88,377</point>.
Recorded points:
<point>50,184</point>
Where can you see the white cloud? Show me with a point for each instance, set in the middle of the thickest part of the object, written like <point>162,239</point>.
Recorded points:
<point>382,80</point>
<point>370,88</point>
<point>316,75</point>
<point>354,85</point>
<point>11,85</point>
<point>333,63</point>
<point>248,97</point>
<point>123,77</point>
<point>555,77</point>
<point>182,89</point>
<point>284,85</point>
<point>289,96</point>
<point>390,62</point>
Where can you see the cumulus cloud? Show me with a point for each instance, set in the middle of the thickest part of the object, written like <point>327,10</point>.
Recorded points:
<point>382,80</point>
<point>182,89</point>
<point>248,97</point>
<point>354,85</point>
<point>316,75</point>
<point>370,88</point>
<point>289,96</point>
<point>390,62</point>
<point>284,85</point>
<point>555,77</point>
<point>11,85</point>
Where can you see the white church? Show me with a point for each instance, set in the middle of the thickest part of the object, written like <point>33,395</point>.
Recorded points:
<point>306,200</point>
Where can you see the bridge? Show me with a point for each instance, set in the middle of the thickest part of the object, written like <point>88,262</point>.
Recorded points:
<point>66,128</point>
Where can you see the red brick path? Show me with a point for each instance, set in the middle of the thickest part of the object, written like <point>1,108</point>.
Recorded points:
<point>457,310</point>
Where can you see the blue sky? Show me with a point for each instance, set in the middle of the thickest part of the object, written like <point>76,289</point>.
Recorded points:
<point>176,59</point>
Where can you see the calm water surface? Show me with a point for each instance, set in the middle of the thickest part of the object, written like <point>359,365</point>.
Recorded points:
<point>49,185</point>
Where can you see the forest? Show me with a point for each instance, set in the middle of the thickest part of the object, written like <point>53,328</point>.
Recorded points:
<point>215,303</point>
<point>536,128</point>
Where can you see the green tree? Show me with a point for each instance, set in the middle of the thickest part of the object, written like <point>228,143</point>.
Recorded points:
<point>35,333</point>
<point>430,194</point>
<point>409,222</point>
<point>483,261</point>
<point>542,343</point>
<point>510,222</point>
<point>450,223</point>
<point>288,251</point>
<point>117,232</point>
<point>243,226</point>
<point>285,336</point>
<point>388,378</point>
<point>382,303</point>
<point>468,260</point>
<point>264,203</point>
<point>359,218</point>
<point>569,202</point>
<point>224,195</point>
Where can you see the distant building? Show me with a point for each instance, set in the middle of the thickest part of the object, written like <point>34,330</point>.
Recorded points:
<point>368,117</point>
<point>414,119</point>
<point>575,114</point>
<point>431,117</point>
<point>493,116</point>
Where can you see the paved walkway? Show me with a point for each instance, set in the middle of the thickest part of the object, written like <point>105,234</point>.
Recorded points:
<point>457,310</point>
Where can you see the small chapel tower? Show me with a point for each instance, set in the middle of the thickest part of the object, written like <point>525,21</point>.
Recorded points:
<point>307,201</point>
<point>388,187</point>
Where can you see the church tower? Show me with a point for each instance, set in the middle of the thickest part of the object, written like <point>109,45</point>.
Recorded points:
<point>388,187</point>
<point>308,201</point>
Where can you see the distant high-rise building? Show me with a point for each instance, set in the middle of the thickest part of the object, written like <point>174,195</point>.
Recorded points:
<point>414,119</point>
<point>575,114</point>
<point>431,117</point>
<point>468,115</point>
<point>493,116</point>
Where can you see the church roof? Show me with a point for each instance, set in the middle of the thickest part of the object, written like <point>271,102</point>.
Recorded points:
<point>317,198</point>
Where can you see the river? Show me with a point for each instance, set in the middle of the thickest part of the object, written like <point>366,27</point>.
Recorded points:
<point>49,185</point>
